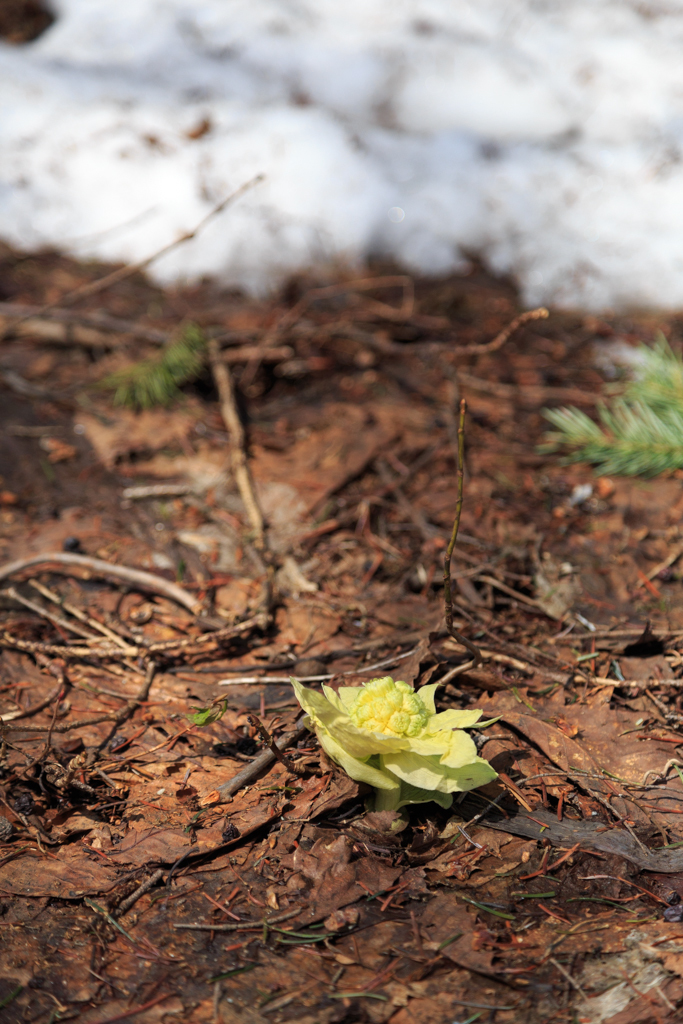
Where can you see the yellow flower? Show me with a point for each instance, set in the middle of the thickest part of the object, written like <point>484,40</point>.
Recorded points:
<point>391,737</point>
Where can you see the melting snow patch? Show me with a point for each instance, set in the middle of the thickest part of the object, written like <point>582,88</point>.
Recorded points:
<point>545,136</point>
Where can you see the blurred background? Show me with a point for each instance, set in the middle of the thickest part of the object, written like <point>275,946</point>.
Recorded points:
<point>542,137</point>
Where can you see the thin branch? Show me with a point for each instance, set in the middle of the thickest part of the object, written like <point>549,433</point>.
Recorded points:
<point>93,287</point>
<point>188,645</point>
<point>492,346</point>
<point>233,423</point>
<point>57,620</point>
<point>277,753</point>
<point>137,577</point>
<point>264,760</point>
<point>78,614</point>
<point>148,884</point>
<point>447,591</point>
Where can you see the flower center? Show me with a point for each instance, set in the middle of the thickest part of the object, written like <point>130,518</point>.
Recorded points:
<point>385,706</point>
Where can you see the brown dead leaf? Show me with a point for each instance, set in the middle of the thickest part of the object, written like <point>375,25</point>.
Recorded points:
<point>336,880</point>
<point>322,795</point>
<point>557,587</point>
<point>58,451</point>
<point>646,669</point>
<point>563,751</point>
<point>447,917</point>
<point>238,598</point>
<point>69,823</point>
<point>119,432</point>
<point>67,874</point>
<point>291,483</point>
<point>339,919</point>
<point>411,667</point>
<point>304,625</point>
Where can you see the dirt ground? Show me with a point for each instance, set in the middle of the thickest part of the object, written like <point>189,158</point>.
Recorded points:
<point>135,882</point>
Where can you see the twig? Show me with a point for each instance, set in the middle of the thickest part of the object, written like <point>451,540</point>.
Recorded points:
<point>92,288</point>
<point>157,491</point>
<point>565,974</point>
<point>512,593</point>
<point>64,326</point>
<point>148,884</point>
<point>15,382</point>
<point>570,396</point>
<point>668,561</point>
<point>12,716</point>
<point>447,592</point>
<point>363,284</point>
<point>264,760</point>
<point>363,670</point>
<point>48,739</point>
<point>233,423</point>
<point>14,594</point>
<point>78,614</point>
<point>243,926</point>
<point>131,706</point>
<point>492,346</point>
<point>277,753</point>
<point>137,577</point>
<point>188,645</point>
<point>134,1010</point>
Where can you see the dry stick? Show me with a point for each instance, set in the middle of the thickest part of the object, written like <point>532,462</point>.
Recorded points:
<point>277,753</point>
<point>12,716</point>
<point>447,591</point>
<point>163,647</point>
<point>148,884</point>
<point>264,760</point>
<point>233,423</point>
<point>243,926</point>
<point>132,705</point>
<point>48,739</point>
<point>62,326</point>
<point>123,272</point>
<point>137,577</point>
<point>363,284</point>
<point>14,594</point>
<point>78,614</point>
<point>385,347</point>
<point>573,396</point>
<point>492,346</point>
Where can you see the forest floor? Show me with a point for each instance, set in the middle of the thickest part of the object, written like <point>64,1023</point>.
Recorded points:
<point>553,894</point>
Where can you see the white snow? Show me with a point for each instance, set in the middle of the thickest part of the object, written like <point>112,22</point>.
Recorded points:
<point>544,135</point>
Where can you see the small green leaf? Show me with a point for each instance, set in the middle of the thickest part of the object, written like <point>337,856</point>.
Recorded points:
<point>209,715</point>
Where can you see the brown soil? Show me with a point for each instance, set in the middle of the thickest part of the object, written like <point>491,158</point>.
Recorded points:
<point>350,407</point>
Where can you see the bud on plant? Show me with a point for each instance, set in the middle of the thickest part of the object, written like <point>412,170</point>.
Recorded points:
<point>388,735</point>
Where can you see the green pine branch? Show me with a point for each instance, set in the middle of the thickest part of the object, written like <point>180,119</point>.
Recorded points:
<point>157,381</point>
<point>640,433</point>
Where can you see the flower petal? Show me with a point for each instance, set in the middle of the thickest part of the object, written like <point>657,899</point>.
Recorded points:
<point>334,699</point>
<point>453,748</point>
<point>358,770</point>
<point>363,743</point>
<point>427,773</point>
<point>315,704</point>
<point>461,750</point>
<point>347,694</point>
<point>426,695</point>
<point>412,795</point>
<point>453,719</point>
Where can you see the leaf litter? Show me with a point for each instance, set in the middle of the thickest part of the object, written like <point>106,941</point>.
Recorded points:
<point>135,880</point>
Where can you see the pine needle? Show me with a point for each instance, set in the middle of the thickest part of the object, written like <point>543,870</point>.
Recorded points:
<point>156,381</point>
<point>642,430</point>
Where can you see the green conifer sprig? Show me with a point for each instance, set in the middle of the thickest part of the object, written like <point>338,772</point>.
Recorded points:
<point>156,381</point>
<point>642,430</point>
